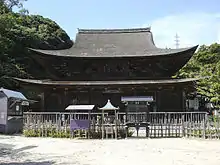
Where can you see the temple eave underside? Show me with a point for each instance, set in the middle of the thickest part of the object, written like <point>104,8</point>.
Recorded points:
<point>187,84</point>
<point>70,69</point>
<point>57,95</point>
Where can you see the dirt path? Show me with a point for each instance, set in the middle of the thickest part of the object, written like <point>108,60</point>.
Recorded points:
<point>46,151</point>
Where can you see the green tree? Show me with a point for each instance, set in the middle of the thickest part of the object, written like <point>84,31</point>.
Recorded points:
<point>12,3</point>
<point>19,31</point>
<point>205,63</point>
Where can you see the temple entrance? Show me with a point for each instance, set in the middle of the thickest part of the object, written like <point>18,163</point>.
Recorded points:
<point>137,114</point>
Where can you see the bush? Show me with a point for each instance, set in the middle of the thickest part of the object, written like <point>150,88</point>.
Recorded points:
<point>54,133</point>
<point>47,133</point>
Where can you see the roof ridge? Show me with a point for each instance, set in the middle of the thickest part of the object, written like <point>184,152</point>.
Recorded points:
<point>124,30</point>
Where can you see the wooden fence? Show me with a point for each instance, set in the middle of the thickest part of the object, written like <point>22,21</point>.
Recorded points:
<point>161,124</point>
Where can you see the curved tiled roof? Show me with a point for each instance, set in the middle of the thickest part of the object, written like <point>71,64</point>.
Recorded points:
<point>107,31</point>
<point>113,43</point>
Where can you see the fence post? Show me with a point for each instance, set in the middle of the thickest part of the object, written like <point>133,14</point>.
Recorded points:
<point>183,126</point>
<point>204,125</point>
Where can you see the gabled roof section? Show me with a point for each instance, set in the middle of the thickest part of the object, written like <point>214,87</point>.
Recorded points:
<point>114,43</point>
<point>13,94</point>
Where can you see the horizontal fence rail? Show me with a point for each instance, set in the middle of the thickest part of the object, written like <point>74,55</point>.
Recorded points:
<point>160,124</point>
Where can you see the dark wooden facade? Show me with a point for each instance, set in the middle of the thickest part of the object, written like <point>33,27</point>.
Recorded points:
<point>109,64</point>
<point>168,95</point>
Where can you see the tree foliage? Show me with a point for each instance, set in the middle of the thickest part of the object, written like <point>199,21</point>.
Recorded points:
<point>19,31</point>
<point>9,4</point>
<point>205,64</point>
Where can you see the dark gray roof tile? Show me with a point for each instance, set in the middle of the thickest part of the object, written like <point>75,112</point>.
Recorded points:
<point>113,43</point>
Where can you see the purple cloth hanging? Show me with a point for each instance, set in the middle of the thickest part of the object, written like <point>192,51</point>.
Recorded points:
<point>79,124</point>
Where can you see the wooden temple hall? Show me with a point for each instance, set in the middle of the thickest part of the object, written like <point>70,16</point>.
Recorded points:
<point>123,65</point>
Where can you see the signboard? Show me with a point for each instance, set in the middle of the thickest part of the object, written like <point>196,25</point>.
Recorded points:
<point>79,124</point>
<point>17,107</point>
<point>137,98</point>
<point>196,103</point>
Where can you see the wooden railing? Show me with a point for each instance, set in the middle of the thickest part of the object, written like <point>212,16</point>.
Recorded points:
<point>161,124</point>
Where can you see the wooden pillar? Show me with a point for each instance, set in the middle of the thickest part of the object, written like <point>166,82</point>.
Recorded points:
<point>146,119</point>
<point>103,124</point>
<point>89,118</point>
<point>183,100</point>
<point>42,102</point>
<point>116,129</point>
<point>90,95</point>
<point>158,102</point>
<point>65,98</point>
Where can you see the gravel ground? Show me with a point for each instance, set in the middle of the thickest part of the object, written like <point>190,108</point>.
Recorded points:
<point>18,150</point>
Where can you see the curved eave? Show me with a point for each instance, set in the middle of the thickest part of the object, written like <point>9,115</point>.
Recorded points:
<point>154,53</point>
<point>106,83</point>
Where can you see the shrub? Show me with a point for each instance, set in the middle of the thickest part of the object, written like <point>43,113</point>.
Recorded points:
<point>55,133</point>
